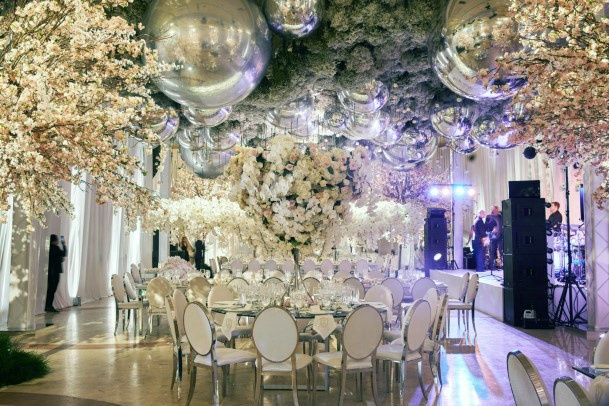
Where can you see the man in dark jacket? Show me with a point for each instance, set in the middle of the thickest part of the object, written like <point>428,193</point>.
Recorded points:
<point>56,257</point>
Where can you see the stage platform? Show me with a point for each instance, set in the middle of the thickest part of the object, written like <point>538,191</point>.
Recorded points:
<point>490,291</point>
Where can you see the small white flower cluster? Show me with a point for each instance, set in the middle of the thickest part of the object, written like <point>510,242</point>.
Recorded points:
<point>299,193</point>
<point>176,269</point>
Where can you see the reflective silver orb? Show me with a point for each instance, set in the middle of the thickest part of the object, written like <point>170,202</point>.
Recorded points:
<point>206,118</point>
<point>465,42</point>
<point>454,121</point>
<point>293,19</point>
<point>222,49</point>
<point>205,164</point>
<point>387,138</point>
<point>366,126</point>
<point>335,119</point>
<point>293,115</point>
<point>415,137</point>
<point>490,134</point>
<point>220,140</point>
<point>194,139</point>
<point>403,155</point>
<point>308,130</point>
<point>164,123</point>
<point>368,99</point>
<point>464,146</point>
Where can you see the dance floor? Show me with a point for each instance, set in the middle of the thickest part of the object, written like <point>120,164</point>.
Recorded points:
<point>90,366</point>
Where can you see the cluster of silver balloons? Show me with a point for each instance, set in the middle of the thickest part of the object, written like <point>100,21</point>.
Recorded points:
<point>219,52</point>
<point>412,150</point>
<point>464,43</point>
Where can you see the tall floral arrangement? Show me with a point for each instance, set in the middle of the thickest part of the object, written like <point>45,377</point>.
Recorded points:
<point>298,192</point>
<point>73,88</point>
<point>565,58</point>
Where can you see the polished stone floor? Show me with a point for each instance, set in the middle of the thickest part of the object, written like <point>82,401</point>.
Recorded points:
<point>90,366</point>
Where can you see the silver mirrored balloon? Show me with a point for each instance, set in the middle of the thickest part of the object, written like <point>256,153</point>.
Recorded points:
<point>454,121</point>
<point>368,99</point>
<point>293,19</point>
<point>490,134</point>
<point>205,164</point>
<point>194,139</point>
<point>163,123</point>
<point>415,137</point>
<point>405,153</point>
<point>336,119</point>
<point>400,167</point>
<point>464,42</point>
<point>206,118</point>
<point>222,49</point>
<point>464,146</point>
<point>294,114</point>
<point>389,137</point>
<point>307,131</point>
<point>221,140</point>
<point>366,126</point>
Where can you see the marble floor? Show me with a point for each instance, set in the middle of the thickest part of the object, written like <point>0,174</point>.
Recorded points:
<point>91,366</point>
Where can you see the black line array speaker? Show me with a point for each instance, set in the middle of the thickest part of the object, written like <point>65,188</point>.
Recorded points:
<point>524,188</point>
<point>436,238</point>
<point>525,278</point>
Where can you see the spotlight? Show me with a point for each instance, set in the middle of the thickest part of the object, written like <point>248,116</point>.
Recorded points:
<point>446,191</point>
<point>437,257</point>
<point>471,191</point>
<point>459,190</point>
<point>529,152</point>
<point>434,192</point>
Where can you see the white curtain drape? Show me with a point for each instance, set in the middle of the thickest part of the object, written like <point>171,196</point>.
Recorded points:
<point>6,236</point>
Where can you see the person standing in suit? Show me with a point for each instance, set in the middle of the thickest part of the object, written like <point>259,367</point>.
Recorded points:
<point>199,254</point>
<point>480,239</point>
<point>494,223</point>
<point>555,218</point>
<point>56,257</point>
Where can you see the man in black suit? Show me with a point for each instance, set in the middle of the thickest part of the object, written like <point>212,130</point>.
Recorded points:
<point>479,240</point>
<point>555,218</point>
<point>494,227</point>
<point>56,257</point>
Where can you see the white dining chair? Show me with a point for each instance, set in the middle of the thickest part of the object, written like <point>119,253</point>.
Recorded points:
<point>381,294</point>
<point>270,265</point>
<point>237,285</point>
<point>312,274</point>
<point>463,288</point>
<point>198,290</point>
<point>253,266</point>
<point>137,276</point>
<point>179,302</point>
<point>310,284</point>
<point>180,348</point>
<point>221,293</point>
<point>236,267</point>
<point>601,351</point>
<point>527,386</point>
<point>133,296</point>
<point>397,293</point>
<point>433,344</point>
<point>567,392</point>
<point>345,267</point>
<point>288,266</point>
<point>327,267</point>
<point>158,289</point>
<point>275,337</point>
<point>123,305</point>
<point>362,333</point>
<point>599,390</point>
<point>355,283</point>
<point>215,267</point>
<point>361,267</point>
<point>204,353</point>
<point>278,274</point>
<point>468,305</point>
<point>421,286</point>
<point>276,283</point>
<point>308,265</point>
<point>409,346</point>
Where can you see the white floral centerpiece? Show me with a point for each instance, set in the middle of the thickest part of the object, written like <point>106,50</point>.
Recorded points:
<point>298,192</point>
<point>176,269</point>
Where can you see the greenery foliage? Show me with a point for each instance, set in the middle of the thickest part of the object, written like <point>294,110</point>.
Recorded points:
<point>18,365</point>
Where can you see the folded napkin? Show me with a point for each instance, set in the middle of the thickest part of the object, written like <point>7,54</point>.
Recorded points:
<point>229,324</point>
<point>324,325</point>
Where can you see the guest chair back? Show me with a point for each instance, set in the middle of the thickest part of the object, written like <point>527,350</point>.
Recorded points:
<point>327,266</point>
<point>179,306</point>
<point>380,293</point>
<point>601,352</point>
<point>527,386</point>
<point>198,290</point>
<point>310,284</point>
<point>567,392</point>
<point>135,272</point>
<point>237,284</point>
<point>236,266</point>
<point>253,266</point>
<point>288,266</point>
<point>270,265</point>
<point>397,291</point>
<point>356,284</point>
<point>308,265</point>
<point>421,286</point>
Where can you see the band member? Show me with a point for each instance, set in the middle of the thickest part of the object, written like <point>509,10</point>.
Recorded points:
<point>480,239</point>
<point>555,218</point>
<point>494,229</point>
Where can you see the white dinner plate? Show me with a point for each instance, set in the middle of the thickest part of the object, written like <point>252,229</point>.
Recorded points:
<point>224,303</point>
<point>320,312</point>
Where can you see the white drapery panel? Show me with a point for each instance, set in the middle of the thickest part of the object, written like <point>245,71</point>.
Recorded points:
<point>6,236</point>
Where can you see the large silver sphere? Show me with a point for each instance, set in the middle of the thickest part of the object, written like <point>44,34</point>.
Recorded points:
<point>194,139</point>
<point>454,121</point>
<point>388,138</point>
<point>221,140</point>
<point>308,130</point>
<point>366,126</point>
<point>205,164</point>
<point>206,118</point>
<point>464,42</point>
<point>415,137</point>
<point>222,49</point>
<point>489,132</point>
<point>463,146</point>
<point>336,119</point>
<point>164,123</point>
<point>404,155</point>
<point>293,115</point>
<point>293,19</point>
<point>368,99</point>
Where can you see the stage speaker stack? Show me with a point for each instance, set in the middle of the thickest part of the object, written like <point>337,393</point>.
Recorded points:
<point>436,237</point>
<point>525,284</point>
